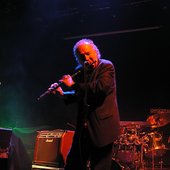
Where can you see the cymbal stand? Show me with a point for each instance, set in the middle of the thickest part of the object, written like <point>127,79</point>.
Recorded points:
<point>88,167</point>
<point>141,156</point>
<point>153,160</point>
<point>161,164</point>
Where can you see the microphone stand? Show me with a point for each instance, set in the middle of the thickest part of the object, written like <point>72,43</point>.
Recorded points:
<point>85,93</point>
<point>85,111</point>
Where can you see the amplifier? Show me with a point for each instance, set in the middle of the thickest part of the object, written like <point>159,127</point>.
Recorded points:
<point>52,147</point>
<point>40,167</point>
<point>5,137</point>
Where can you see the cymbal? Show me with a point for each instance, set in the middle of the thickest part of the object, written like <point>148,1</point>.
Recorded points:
<point>158,120</point>
<point>133,124</point>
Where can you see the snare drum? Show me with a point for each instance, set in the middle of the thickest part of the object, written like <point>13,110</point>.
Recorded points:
<point>153,145</point>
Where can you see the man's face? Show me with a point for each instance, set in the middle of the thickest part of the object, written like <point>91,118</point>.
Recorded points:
<point>86,52</point>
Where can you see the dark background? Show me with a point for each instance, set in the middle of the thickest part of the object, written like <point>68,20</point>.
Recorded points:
<point>36,41</point>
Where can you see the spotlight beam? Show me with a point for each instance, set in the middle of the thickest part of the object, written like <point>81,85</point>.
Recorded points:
<point>113,32</point>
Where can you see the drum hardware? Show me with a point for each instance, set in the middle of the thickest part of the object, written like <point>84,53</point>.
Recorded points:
<point>153,147</point>
<point>138,144</point>
<point>153,157</point>
<point>153,140</point>
<point>141,143</point>
<point>128,149</point>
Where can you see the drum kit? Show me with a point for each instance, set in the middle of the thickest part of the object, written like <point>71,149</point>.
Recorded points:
<point>138,143</point>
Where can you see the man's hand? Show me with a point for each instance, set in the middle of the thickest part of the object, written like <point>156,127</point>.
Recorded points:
<point>67,80</point>
<point>54,90</point>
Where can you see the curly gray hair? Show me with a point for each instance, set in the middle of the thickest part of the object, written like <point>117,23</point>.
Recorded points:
<point>83,41</point>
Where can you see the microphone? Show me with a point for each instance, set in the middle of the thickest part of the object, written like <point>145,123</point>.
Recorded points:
<point>89,65</point>
<point>86,63</point>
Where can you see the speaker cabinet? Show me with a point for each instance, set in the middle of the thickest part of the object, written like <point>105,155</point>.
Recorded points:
<point>5,138</point>
<point>52,147</point>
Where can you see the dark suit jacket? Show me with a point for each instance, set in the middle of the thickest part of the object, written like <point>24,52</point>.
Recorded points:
<point>102,115</point>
